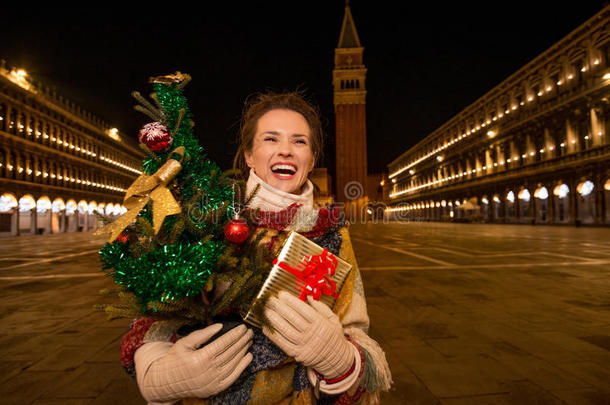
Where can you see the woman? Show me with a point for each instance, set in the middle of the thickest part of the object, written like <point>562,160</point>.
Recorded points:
<point>311,354</point>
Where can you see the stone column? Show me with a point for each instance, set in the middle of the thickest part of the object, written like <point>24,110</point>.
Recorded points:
<point>573,198</point>
<point>597,128</point>
<point>34,220</point>
<point>572,144</point>
<point>550,205</point>
<point>17,232</point>
<point>549,144</point>
<point>598,194</point>
<point>529,149</point>
<point>488,161</point>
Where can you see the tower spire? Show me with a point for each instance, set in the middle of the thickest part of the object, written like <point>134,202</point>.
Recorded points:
<point>349,36</point>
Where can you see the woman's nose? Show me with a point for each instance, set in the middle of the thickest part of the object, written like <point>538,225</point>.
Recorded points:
<point>285,148</point>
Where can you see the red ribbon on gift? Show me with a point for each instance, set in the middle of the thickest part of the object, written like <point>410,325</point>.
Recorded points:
<point>315,274</point>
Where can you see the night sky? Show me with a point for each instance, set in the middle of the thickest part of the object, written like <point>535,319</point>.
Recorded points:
<point>425,63</point>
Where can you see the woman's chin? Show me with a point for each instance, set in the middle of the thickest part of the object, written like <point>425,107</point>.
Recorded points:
<point>287,185</point>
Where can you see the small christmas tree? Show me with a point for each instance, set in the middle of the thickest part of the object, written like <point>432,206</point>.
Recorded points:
<point>181,232</point>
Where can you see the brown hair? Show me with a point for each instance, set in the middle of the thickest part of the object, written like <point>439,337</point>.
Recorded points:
<point>257,105</point>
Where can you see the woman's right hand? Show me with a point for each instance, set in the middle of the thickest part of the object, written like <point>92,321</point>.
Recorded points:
<point>167,372</point>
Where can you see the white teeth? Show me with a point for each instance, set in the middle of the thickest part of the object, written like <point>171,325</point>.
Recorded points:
<point>284,167</point>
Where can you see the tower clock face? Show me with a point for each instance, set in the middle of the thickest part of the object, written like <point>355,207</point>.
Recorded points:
<point>349,60</point>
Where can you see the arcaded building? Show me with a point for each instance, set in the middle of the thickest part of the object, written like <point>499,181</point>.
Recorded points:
<point>534,149</point>
<point>59,164</point>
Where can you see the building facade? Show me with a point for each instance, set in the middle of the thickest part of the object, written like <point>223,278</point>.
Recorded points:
<point>534,149</point>
<point>349,99</point>
<point>58,163</point>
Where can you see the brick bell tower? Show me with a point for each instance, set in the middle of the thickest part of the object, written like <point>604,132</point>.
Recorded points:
<point>349,94</point>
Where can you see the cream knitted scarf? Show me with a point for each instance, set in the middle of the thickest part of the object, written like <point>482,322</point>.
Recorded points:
<point>269,198</point>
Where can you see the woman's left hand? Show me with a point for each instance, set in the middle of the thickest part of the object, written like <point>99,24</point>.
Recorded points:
<point>311,333</point>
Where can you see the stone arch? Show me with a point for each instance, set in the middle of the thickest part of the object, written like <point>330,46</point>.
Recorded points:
<point>44,215</point>
<point>9,214</point>
<point>8,202</point>
<point>58,215</point>
<point>71,207</point>
<point>27,214</point>
<point>82,207</point>
<point>43,204</point>
<point>58,205</point>
<point>109,209</point>
<point>27,202</point>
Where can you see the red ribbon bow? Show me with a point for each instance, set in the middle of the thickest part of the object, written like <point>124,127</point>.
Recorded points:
<point>316,273</point>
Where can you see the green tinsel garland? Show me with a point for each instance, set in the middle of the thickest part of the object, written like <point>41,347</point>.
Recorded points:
<point>166,273</point>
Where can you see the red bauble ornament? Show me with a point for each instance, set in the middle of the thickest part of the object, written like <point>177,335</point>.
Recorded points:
<point>156,136</point>
<point>236,230</point>
<point>123,238</point>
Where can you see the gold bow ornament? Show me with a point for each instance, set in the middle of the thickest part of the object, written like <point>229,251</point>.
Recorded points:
<point>144,189</point>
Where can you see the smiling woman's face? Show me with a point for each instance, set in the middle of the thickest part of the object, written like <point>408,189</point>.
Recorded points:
<point>281,153</point>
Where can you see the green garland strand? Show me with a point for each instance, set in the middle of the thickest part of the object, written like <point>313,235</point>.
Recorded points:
<point>166,273</point>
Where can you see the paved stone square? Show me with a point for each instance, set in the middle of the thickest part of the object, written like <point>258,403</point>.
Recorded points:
<point>490,314</point>
<point>467,314</point>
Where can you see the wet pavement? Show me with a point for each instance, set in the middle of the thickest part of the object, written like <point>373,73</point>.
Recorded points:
<point>467,314</point>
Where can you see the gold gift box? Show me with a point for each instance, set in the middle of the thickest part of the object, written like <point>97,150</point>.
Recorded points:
<point>294,251</point>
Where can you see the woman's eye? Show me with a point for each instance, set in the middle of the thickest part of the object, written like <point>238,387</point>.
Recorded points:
<point>269,138</point>
<point>302,141</point>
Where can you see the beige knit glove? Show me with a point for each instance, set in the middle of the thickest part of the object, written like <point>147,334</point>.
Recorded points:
<point>167,372</point>
<point>311,333</point>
